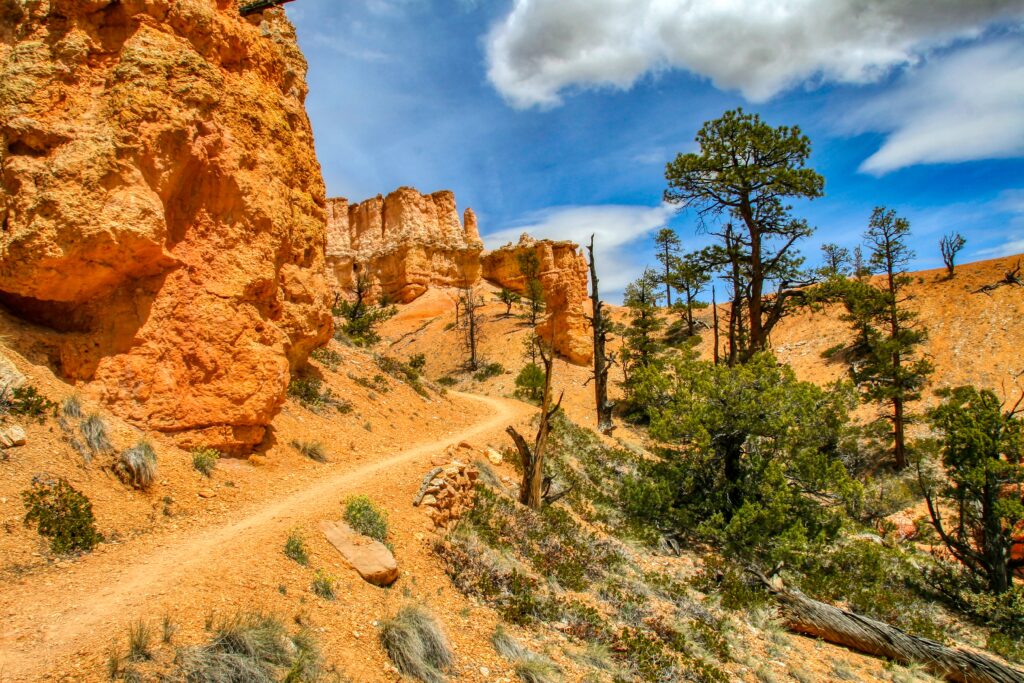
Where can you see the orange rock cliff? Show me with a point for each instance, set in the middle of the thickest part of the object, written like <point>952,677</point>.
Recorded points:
<point>162,207</point>
<point>408,242</point>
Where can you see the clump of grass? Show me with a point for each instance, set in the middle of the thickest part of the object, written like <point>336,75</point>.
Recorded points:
<point>314,450</point>
<point>416,644</point>
<point>295,548</point>
<point>323,586</point>
<point>94,431</point>
<point>139,639</point>
<point>136,466</point>
<point>72,407</point>
<point>204,460</point>
<point>366,518</point>
<point>843,672</point>
<point>61,513</point>
<point>168,629</point>
<point>530,667</point>
<point>250,647</point>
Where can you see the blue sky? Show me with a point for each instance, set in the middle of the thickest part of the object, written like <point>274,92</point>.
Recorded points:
<point>558,116</point>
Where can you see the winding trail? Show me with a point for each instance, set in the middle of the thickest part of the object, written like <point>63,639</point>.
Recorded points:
<point>69,610</point>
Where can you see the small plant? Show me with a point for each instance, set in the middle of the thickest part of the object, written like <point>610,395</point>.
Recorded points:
<point>295,548</point>
<point>530,382</point>
<point>72,407</point>
<point>323,585</point>
<point>311,393</point>
<point>62,514</point>
<point>447,381</point>
<point>329,358</point>
<point>136,466</point>
<point>489,370</point>
<point>26,401</point>
<point>113,664</point>
<point>366,518</point>
<point>415,643</point>
<point>537,669</point>
<point>94,431</point>
<point>204,460</point>
<point>139,639</point>
<point>168,629</point>
<point>417,362</point>
<point>314,450</point>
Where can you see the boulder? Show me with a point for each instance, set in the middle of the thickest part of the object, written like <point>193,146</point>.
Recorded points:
<point>12,436</point>
<point>371,559</point>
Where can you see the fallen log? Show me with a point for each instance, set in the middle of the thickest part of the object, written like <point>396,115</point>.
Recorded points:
<point>857,632</point>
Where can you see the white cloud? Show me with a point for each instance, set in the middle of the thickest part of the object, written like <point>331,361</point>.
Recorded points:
<point>759,47</point>
<point>1010,202</point>
<point>964,106</point>
<point>615,228</point>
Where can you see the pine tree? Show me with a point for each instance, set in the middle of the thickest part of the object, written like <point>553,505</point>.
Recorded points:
<point>690,276</point>
<point>668,244</point>
<point>529,266</point>
<point>642,345</point>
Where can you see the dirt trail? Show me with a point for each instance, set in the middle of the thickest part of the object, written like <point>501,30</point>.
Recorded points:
<point>67,612</point>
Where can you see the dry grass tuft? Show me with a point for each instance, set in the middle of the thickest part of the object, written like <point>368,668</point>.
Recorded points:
<point>136,466</point>
<point>415,643</point>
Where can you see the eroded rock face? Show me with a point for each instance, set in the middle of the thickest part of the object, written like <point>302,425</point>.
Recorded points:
<point>563,274</point>
<point>162,207</point>
<point>405,243</point>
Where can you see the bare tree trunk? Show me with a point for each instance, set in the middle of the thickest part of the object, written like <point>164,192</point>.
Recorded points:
<point>531,489</point>
<point>601,361</point>
<point>714,314</point>
<point>857,632</point>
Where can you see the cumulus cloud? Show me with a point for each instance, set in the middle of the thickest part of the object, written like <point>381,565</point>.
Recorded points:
<point>616,228</point>
<point>759,47</point>
<point>964,106</point>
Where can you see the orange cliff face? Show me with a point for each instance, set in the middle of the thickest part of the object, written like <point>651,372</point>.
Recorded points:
<point>162,207</point>
<point>406,243</point>
<point>563,275</point>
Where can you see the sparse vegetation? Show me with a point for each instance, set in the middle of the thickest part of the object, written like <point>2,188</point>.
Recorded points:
<point>168,629</point>
<point>403,372</point>
<point>530,382</point>
<point>327,357</point>
<point>447,381</point>
<point>530,667</point>
<point>314,450</point>
<point>140,638</point>
<point>295,548</point>
<point>26,401</point>
<point>136,466</point>
<point>488,370</point>
<point>61,513</point>
<point>204,460</point>
<point>310,391</point>
<point>417,646</point>
<point>323,585</point>
<point>366,518</point>
<point>360,318</point>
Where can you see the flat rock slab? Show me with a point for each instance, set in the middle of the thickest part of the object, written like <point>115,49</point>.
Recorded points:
<point>370,558</point>
<point>12,436</point>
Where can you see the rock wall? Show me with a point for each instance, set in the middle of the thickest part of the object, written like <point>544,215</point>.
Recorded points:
<point>563,275</point>
<point>406,243</point>
<point>162,207</point>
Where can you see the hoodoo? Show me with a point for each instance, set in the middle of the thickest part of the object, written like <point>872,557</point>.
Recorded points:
<point>163,207</point>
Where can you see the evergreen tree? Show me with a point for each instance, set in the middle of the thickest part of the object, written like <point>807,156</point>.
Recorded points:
<point>509,298</point>
<point>977,510</point>
<point>836,260</point>
<point>893,373</point>
<point>360,317</point>
<point>746,170</point>
<point>642,345</point>
<point>668,246</point>
<point>690,276</point>
<point>529,266</point>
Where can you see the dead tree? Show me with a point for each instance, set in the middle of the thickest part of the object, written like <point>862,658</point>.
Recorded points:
<point>603,360</point>
<point>471,304</point>
<point>1011,278</point>
<point>857,632</point>
<point>534,490</point>
<point>950,245</point>
<point>714,315</point>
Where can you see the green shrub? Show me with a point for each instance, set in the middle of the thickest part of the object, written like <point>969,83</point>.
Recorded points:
<point>418,362</point>
<point>204,460</point>
<point>311,393</point>
<point>136,466</point>
<point>323,585</point>
<point>447,381</point>
<point>403,372</point>
<point>329,358</point>
<point>314,450</point>
<point>366,518</point>
<point>62,514</point>
<point>417,646</point>
<point>489,370</point>
<point>26,401</point>
<point>295,548</point>
<point>530,382</point>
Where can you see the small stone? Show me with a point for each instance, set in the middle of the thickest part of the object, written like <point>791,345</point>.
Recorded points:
<point>465,444</point>
<point>12,436</point>
<point>484,671</point>
<point>494,456</point>
<point>207,493</point>
<point>429,499</point>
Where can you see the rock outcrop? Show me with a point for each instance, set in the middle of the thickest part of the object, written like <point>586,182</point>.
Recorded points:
<point>563,275</point>
<point>162,207</point>
<point>404,243</point>
<point>371,559</point>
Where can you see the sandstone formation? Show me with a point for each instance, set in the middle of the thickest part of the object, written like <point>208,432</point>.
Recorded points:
<point>162,207</point>
<point>447,493</point>
<point>563,274</point>
<point>404,243</point>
